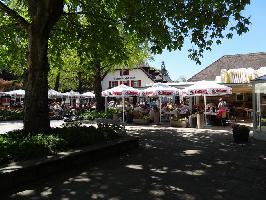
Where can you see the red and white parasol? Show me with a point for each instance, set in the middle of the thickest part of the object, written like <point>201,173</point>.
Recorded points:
<point>120,91</point>
<point>159,89</point>
<point>206,88</point>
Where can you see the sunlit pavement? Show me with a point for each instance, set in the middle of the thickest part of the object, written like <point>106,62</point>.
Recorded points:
<point>6,126</point>
<point>171,163</point>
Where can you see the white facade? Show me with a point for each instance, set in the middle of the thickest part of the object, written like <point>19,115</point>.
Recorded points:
<point>133,78</point>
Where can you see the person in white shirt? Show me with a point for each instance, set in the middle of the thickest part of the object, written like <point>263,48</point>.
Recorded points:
<point>222,104</point>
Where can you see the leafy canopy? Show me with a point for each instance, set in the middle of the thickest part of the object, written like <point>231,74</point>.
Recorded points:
<point>161,24</point>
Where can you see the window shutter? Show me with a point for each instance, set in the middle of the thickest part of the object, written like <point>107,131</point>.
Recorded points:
<point>110,84</point>
<point>139,83</point>
<point>121,72</point>
<point>132,83</point>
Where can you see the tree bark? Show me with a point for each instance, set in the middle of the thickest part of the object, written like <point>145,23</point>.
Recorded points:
<point>57,82</point>
<point>98,88</point>
<point>44,14</point>
<point>80,82</point>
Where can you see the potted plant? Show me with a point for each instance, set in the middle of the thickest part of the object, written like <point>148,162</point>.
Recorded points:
<point>192,121</point>
<point>143,120</point>
<point>183,122</point>
<point>115,112</point>
<point>174,121</point>
<point>240,133</point>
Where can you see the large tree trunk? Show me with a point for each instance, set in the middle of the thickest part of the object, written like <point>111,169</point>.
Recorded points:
<point>98,88</point>
<point>44,14</point>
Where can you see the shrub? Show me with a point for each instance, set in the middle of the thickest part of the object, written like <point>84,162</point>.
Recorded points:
<point>16,146</point>
<point>92,115</point>
<point>8,115</point>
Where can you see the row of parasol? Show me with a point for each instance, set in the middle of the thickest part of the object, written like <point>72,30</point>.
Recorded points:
<point>51,94</point>
<point>201,88</point>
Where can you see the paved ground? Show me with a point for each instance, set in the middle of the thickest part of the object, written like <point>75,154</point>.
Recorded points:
<point>6,126</point>
<point>170,164</point>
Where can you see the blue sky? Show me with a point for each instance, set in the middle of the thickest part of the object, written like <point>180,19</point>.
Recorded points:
<point>178,64</point>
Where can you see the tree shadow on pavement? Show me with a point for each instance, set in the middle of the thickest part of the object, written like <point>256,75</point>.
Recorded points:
<point>169,164</point>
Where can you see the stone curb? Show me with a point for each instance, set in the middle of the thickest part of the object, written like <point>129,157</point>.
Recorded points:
<point>26,172</point>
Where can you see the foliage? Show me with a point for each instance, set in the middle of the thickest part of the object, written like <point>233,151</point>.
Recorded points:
<point>92,115</point>
<point>263,121</point>
<point>145,116</point>
<point>113,110</point>
<point>9,85</point>
<point>8,115</point>
<point>15,146</point>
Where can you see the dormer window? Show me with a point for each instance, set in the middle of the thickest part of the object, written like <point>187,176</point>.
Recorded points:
<point>124,72</point>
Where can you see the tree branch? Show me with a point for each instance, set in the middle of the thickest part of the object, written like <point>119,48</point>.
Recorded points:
<point>12,13</point>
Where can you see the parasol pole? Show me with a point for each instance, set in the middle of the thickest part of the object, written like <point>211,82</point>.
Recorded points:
<point>160,106</point>
<point>123,108</point>
<point>205,104</point>
<point>105,102</point>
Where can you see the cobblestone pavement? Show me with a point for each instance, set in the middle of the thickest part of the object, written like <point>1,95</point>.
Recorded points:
<point>171,163</point>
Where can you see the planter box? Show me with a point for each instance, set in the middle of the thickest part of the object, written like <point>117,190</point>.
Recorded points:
<point>241,135</point>
<point>115,116</point>
<point>178,123</point>
<point>141,121</point>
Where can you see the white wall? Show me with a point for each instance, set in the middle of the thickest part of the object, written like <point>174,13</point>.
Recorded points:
<point>134,74</point>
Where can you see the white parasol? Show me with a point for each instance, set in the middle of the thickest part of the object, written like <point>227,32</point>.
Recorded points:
<point>54,94</point>
<point>72,94</point>
<point>160,90</point>
<point>17,93</point>
<point>88,95</point>
<point>206,88</point>
<point>120,91</point>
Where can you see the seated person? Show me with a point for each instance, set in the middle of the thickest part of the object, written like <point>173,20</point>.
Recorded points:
<point>220,113</point>
<point>184,110</point>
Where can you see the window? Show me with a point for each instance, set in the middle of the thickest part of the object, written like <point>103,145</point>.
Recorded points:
<point>124,72</point>
<point>239,97</point>
<point>126,83</point>
<point>113,84</point>
<point>134,84</point>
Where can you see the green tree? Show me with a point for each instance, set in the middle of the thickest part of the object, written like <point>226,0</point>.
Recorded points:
<point>164,24</point>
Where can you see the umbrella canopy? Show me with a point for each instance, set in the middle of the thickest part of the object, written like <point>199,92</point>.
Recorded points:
<point>19,93</point>
<point>4,94</point>
<point>71,94</point>
<point>206,88</point>
<point>159,89</point>
<point>121,91</point>
<point>54,94</point>
<point>88,94</point>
